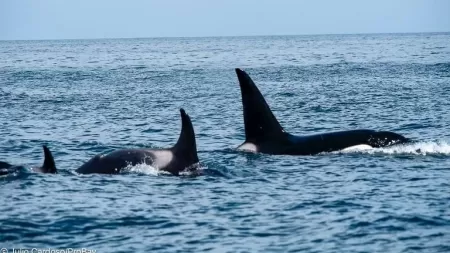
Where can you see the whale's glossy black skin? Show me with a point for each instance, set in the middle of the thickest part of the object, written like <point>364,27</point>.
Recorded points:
<point>47,167</point>
<point>264,133</point>
<point>182,156</point>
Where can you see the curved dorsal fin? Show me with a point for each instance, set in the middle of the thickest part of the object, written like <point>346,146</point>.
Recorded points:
<point>49,163</point>
<point>259,121</point>
<point>186,145</point>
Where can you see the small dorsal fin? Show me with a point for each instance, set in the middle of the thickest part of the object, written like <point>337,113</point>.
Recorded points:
<point>259,121</point>
<point>186,145</point>
<point>49,163</point>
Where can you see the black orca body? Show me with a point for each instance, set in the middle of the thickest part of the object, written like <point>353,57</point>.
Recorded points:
<point>174,160</point>
<point>47,167</point>
<point>264,134</point>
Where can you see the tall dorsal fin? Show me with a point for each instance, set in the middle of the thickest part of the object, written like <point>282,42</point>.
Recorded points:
<point>49,163</point>
<point>186,145</point>
<point>259,121</point>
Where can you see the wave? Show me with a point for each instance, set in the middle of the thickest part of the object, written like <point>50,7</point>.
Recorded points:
<point>146,169</point>
<point>417,148</point>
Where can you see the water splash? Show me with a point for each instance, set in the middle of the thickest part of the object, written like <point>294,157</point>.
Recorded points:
<point>143,168</point>
<point>418,148</point>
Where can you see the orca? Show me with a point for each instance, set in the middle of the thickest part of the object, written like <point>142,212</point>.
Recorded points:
<point>264,134</point>
<point>47,167</point>
<point>182,156</point>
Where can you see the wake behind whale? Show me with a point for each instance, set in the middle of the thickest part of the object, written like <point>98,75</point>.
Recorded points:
<point>422,148</point>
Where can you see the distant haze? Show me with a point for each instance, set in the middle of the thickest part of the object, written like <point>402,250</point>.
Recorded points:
<point>59,19</point>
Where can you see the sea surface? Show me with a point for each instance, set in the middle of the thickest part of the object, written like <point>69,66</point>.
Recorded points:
<point>85,97</point>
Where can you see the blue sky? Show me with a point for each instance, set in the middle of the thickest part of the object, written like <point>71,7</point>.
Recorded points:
<point>64,19</point>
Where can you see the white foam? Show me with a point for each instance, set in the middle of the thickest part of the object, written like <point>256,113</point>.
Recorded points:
<point>143,168</point>
<point>193,170</point>
<point>418,148</point>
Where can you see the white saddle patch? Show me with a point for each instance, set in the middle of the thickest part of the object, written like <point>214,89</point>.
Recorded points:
<point>358,147</point>
<point>248,147</point>
<point>162,158</point>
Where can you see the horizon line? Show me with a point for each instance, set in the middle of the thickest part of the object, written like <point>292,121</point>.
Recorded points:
<point>231,36</point>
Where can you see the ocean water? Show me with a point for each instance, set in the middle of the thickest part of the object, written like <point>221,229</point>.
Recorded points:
<point>84,97</point>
